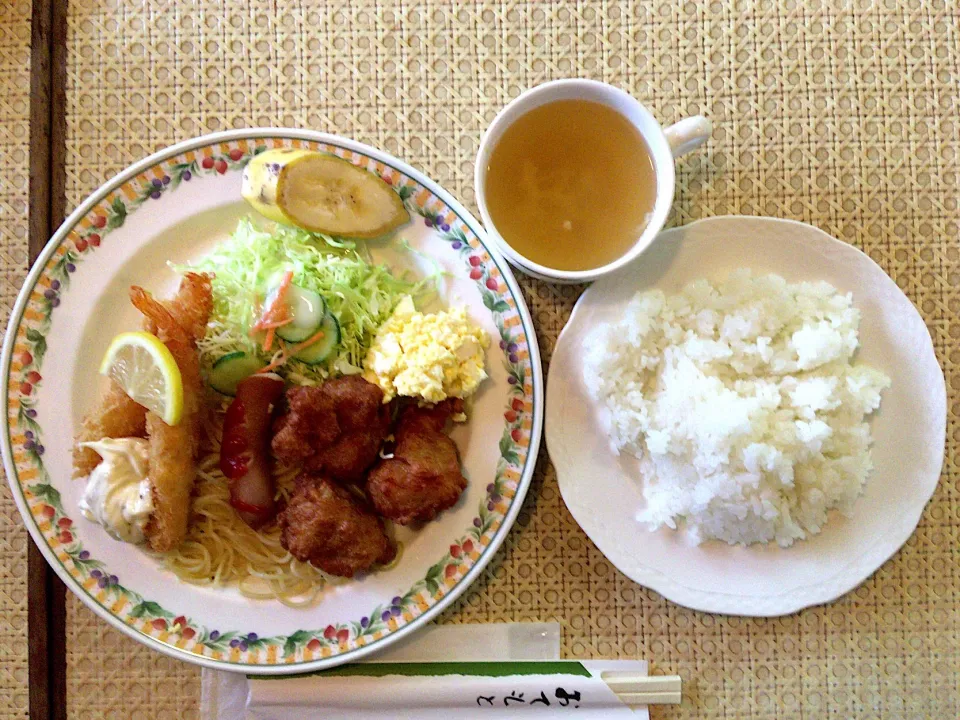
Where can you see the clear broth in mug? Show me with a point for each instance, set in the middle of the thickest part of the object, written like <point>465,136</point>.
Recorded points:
<point>570,185</point>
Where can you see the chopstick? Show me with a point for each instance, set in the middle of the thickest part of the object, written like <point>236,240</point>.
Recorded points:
<point>633,689</point>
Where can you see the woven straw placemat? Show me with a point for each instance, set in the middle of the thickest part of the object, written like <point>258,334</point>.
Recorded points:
<point>843,118</point>
<point>14,184</point>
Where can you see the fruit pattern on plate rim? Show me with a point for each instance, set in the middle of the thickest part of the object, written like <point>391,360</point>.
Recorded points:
<point>179,630</point>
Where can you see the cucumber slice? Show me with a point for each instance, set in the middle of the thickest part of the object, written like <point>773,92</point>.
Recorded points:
<point>324,347</point>
<point>228,371</point>
<point>307,309</point>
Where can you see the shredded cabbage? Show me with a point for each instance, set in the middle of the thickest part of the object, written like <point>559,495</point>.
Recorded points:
<point>361,294</point>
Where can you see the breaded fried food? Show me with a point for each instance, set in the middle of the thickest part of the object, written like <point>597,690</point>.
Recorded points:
<point>172,449</point>
<point>326,525</point>
<point>336,428</point>
<point>172,471</point>
<point>192,304</point>
<point>116,415</point>
<point>190,307</point>
<point>423,477</point>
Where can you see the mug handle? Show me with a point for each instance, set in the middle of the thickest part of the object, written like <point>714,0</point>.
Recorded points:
<point>688,134</point>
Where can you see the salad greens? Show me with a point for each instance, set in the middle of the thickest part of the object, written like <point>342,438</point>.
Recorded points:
<point>359,293</point>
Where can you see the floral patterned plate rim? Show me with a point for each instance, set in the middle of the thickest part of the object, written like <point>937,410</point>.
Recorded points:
<point>132,224</point>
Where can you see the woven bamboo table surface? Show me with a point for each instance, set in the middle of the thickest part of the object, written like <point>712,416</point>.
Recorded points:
<point>14,180</point>
<point>843,118</point>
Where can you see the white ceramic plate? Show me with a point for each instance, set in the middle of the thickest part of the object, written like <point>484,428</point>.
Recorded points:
<point>604,492</point>
<point>176,205</point>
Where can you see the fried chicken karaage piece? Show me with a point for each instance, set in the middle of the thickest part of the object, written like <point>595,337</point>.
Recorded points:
<point>326,525</point>
<point>336,428</point>
<point>116,415</point>
<point>423,477</point>
<point>173,449</point>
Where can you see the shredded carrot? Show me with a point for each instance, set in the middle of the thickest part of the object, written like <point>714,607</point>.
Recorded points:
<point>261,326</point>
<point>316,337</point>
<point>271,319</point>
<point>275,325</point>
<point>278,310</point>
<point>268,340</point>
<point>285,283</point>
<point>289,351</point>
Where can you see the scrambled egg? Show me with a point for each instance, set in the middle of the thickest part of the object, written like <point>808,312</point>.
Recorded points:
<point>431,356</point>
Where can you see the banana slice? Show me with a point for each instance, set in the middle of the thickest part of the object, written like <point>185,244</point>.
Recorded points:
<point>322,193</point>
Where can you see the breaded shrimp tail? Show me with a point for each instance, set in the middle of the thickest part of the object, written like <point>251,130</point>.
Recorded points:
<point>173,449</point>
<point>190,307</point>
<point>192,304</point>
<point>115,416</point>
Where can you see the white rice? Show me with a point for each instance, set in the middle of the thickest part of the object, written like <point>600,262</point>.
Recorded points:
<point>742,404</point>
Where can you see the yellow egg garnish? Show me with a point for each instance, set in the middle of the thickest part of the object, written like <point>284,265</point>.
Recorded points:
<point>432,356</point>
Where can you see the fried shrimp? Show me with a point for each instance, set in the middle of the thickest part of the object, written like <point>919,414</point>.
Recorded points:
<point>190,307</point>
<point>118,416</point>
<point>173,449</point>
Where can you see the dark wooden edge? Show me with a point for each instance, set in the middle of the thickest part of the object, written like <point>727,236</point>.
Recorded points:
<point>46,595</point>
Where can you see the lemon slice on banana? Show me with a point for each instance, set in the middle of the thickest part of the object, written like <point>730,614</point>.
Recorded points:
<point>147,372</point>
<point>322,193</point>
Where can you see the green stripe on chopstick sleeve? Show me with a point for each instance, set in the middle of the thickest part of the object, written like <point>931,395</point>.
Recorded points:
<point>479,669</point>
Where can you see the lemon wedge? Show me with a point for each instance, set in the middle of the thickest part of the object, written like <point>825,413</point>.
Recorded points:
<point>146,370</point>
<point>322,193</point>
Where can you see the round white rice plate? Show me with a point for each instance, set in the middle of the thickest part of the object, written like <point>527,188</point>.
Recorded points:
<point>741,402</point>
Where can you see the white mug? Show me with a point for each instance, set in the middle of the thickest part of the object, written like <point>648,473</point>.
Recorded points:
<point>664,144</point>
